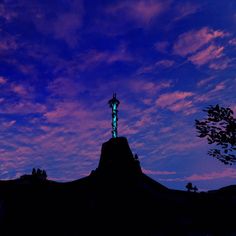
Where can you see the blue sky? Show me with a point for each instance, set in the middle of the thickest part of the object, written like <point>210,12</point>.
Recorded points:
<point>60,62</point>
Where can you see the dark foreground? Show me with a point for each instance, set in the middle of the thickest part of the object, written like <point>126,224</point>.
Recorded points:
<point>116,199</point>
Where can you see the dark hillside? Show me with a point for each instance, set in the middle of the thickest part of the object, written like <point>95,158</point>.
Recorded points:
<point>115,199</point>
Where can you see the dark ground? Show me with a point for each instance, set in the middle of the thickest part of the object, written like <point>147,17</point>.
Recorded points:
<point>115,199</point>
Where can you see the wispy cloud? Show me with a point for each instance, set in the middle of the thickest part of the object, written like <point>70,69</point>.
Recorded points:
<point>191,41</point>
<point>156,172</point>
<point>93,58</point>
<point>162,46</point>
<point>3,80</point>
<point>6,13</point>
<point>8,43</point>
<point>159,65</point>
<point>185,9</point>
<point>206,55</point>
<point>203,47</point>
<point>20,90</point>
<point>141,12</point>
<point>168,99</point>
<point>226,173</point>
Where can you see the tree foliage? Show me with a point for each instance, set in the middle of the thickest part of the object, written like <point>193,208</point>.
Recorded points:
<point>190,187</point>
<point>219,128</point>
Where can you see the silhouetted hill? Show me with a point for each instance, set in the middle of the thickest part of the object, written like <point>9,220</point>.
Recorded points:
<point>115,199</point>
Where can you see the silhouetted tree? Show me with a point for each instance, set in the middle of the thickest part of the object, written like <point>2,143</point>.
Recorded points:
<point>219,128</point>
<point>39,174</point>
<point>33,171</point>
<point>189,187</point>
<point>44,174</point>
<point>195,189</point>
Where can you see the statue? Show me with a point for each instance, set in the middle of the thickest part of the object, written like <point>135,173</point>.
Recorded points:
<point>114,103</point>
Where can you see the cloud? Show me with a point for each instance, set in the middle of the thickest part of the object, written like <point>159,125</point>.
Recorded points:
<point>7,44</point>
<point>181,106</point>
<point>156,172</point>
<point>226,173</point>
<point>206,55</point>
<point>3,80</point>
<point>93,57</point>
<point>168,99</point>
<point>142,12</point>
<point>61,21</point>
<point>66,27</point>
<point>218,87</point>
<point>6,14</point>
<point>232,41</point>
<point>23,107</point>
<point>191,41</point>
<point>205,81</point>
<point>202,48</point>
<point>19,89</point>
<point>220,64</point>
<point>164,63</point>
<point>162,46</point>
<point>185,9</point>
<point>148,87</point>
<point>65,88</point>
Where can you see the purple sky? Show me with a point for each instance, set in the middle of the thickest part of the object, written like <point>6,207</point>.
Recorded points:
<point>61,60</point>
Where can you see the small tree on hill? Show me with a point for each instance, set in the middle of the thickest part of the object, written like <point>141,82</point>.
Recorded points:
<point>189,187</point>
<point>39,174</point>
<point>219,127</point>
<point>195,189</point>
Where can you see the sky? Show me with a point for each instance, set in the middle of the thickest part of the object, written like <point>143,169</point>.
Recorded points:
<point>61,61</point>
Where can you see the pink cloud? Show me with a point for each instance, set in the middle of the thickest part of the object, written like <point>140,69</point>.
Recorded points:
<point>139,11</point>
<point>164,63</point>
<point>65,23</point>
<point>94,58</point>
<point>218,87</point>
<point>8,124</point>
<point>205,81</point>
<point>156,172</point>
<point>3,80</point>
<point>194,40</point>
<point>63,110</point>
<point>206,55</point>
<point>226,173</point>
<point>220,64</point>
<point>186,9</point>
<point>165,130</point>
<point>19,89</point>
<point>161,46</point>
<point>24,107</point>
<point>148,87</point>
<point>7,14</point>
<point>7,43</point>
<point>168,99</point>
<point>65,87</point>
<point>181,106</point>
<point>232,41</point>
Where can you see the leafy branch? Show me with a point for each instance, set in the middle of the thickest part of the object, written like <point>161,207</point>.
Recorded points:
<point>219,128</point>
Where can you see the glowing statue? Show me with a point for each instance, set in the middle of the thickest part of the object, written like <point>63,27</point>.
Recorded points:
<point>114,103</point>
